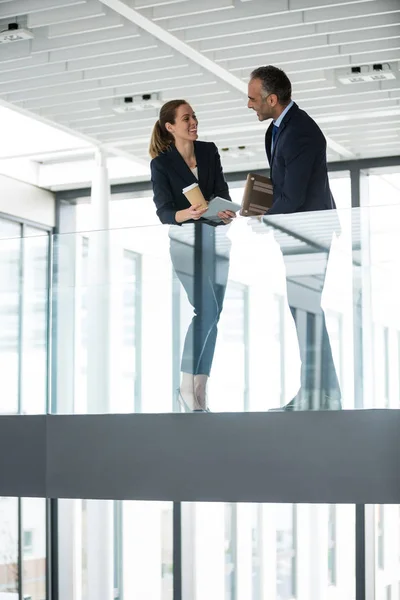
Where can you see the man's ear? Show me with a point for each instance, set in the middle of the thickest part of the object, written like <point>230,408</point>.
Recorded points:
<point>273,100</point>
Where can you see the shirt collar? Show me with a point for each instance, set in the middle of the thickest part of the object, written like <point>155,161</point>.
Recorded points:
<point>281,116</point>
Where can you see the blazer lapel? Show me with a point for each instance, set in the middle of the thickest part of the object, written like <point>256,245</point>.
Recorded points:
<point>276,138</point>
<point>203,166</point>
<point>268,142</point>
<point>281,128</point>
<point>180,167</point>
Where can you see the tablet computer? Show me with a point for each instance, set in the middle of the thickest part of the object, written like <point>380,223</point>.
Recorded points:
<point>217,205</point>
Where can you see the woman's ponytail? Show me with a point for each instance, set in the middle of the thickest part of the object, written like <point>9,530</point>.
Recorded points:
<point>161,139</point>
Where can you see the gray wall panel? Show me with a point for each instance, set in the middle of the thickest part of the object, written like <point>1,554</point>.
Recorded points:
<point>349,456</point>
<point>23,455</point>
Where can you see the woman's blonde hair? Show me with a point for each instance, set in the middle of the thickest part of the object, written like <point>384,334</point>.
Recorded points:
<point>161,139</point>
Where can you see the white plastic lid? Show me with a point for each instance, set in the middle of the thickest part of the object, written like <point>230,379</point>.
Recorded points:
<point>190,187</point>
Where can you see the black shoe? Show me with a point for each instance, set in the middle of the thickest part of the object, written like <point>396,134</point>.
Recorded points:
<point>296,404</point>
<point>330,403</point>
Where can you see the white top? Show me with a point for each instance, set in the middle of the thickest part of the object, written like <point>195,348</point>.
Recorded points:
<point>195,172</point>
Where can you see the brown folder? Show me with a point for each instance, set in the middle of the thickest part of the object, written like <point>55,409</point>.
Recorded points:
<point>257,195</point>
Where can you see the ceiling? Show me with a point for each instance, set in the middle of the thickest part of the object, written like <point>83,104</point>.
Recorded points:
<point>85,54</point>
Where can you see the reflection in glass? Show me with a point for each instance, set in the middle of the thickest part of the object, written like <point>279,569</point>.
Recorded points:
<point>115,549</point>
<point>257,553</point>
<point>230,551</point>
<point>387,551</point>
<point>167,562</point>
<point>380,533</point>
<point>10,322</point>
<point>9,571</point>
<point>256,333</point>
<point>286,551</point>
<point>34,319</point>
<point>33,547</point>
<point>332,541</point>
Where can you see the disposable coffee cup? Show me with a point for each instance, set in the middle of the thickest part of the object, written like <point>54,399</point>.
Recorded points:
<point>194,195</point>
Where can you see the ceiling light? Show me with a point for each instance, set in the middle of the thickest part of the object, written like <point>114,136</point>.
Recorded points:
<point>366,73</point>
<point>137,103</point>
<point>14,34</point>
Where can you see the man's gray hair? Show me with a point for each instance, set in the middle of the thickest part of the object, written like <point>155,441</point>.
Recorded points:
<point>274,81</point>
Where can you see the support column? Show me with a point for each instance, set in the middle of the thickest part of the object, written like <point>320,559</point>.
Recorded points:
<point>99,296</point>
<point>65,265</point>
<point>99,512</point>
<point>65,309</point>
<point>69,549</point>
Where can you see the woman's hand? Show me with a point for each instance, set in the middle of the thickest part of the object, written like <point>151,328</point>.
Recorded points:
<point>226,216</point>
<point>195,212</point>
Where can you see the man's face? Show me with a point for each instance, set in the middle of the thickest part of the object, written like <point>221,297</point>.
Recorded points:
<point>264,107</point>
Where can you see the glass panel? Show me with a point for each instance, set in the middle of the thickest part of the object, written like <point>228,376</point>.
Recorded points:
<point>148,330</point>
<point>383,187</point>
<point>33,548</point>
<point>381,224</point>
<point>113,549</point>
<point>9,570</point>
<point>387,550</point>
<point>286,551</point>
<point>10,295</point>
<point>279,551</point>
<point>35,316</point>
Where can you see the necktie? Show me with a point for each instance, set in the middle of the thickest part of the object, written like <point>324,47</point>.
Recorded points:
<point>274,132</point>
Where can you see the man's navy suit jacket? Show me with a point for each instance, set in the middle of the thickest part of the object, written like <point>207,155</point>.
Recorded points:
<point>298,165</point>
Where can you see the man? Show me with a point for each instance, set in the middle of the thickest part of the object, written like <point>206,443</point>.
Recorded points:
<point>296,151</point>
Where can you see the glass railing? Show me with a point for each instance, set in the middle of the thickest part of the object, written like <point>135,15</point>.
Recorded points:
<point>168,318</point>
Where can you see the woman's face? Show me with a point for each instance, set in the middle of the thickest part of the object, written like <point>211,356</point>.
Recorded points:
<point>185,126</point>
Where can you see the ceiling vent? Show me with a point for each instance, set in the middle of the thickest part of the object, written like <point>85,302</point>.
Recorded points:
<point>14,33</point>
<point>366,73</point>
<point>137,103</point>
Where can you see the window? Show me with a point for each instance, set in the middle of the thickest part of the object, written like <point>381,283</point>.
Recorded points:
<point>386,366</point>
<point>332,544</point>
<point>232,348</point>
<point>230,551</point>
<point>118,545</point>
<point>257,538</point>
<point>27,537</point>
<point>286,551</point>
<point>380,534</point>
<point>125,324</point>
<point>24,320</point>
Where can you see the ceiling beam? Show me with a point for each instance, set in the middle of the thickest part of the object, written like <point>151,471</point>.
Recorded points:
<point>135,17</point>
<point>197,57</point>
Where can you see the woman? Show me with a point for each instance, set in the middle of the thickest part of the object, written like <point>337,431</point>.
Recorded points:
<point>179,161</point>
